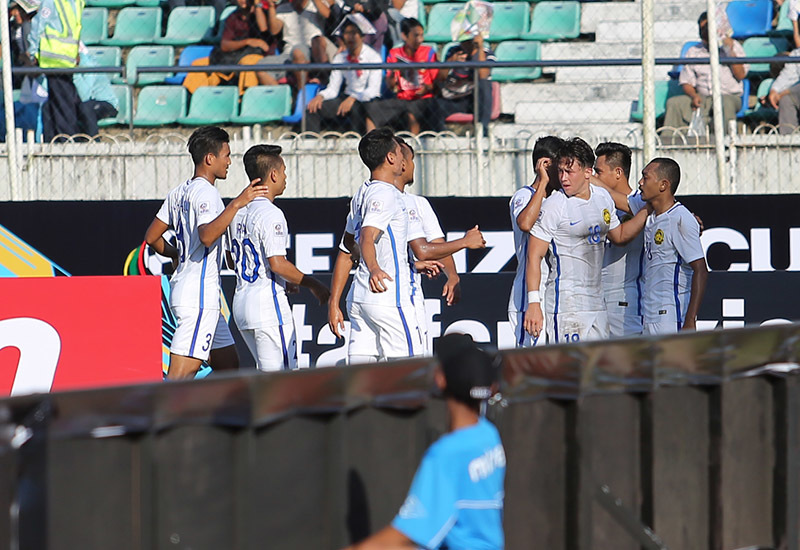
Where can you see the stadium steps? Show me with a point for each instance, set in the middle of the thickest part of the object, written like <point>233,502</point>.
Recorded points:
<point>594,13</point>
<point>591,76</point>
<point>557,112</point>
<point>673,31</point>
<point>513,93</point>
<point>591,50</point>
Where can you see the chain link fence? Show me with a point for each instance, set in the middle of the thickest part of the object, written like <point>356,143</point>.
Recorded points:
<point>151,72</point>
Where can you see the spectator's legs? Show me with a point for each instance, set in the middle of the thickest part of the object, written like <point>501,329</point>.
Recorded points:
<point>326,113</point>
<point>788,108</point>
<point>60,111</point>
<point>484,103</point>
<point>90,112</point>
<point>730,106</point>
<point>679,111</point>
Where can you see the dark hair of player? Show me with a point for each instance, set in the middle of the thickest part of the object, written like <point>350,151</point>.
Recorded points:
<point>404,145</point>
<point>205,140</point>
<point>576,149</point>
<point>408,24</point>
<point>374,147</point>
<point>260,160</point>
<point>547,147</point>
<point>669,170</point>
<point>617,155</point>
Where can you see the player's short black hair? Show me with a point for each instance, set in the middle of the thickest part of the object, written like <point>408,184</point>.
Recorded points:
<point>668,169</point>
<point>408,24</point>
<point>205,140</point>
<point>617,155</point>
<point>374,147</point>
<point>547,147</point>
<point>469,371</point>
<point>404,145</point>
<point>260,160</point>
<point>576,149</point>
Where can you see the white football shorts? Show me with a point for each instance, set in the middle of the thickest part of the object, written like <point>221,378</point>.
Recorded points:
<point>274,348</point>
<point>623,320</point>
<point>199,331</point>
<point>388,332</point>
<point>567,328</point>
<point>521,337</point>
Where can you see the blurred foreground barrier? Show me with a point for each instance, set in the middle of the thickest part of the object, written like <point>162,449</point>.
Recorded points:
<point>689,441</point>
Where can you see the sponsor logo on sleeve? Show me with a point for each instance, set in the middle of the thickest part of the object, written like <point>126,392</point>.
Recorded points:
<point>204,208</point>
<point>413,216</point>
<point>376,207</point>
<point>278,228</point>
<point>606,216</point>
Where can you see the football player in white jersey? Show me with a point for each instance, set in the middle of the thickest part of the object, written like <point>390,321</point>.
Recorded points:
<point>573,224</point>
<point>194,210</point>
<point>259,239</point>
<point>675,271</point>
<point>622,265</point>
<point>524,208</point>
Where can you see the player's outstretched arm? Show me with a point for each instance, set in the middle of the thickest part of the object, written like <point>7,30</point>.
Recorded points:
<point>527,217</point>
<point>534,318</point>
<point>341,270</point>
<point>154,236</point>
<point>425,250</point>
<point>385,539</point>
<point>699,280</point>
<point>213,230</point>
<point>369,236</point>
<point>627,231</point>
<point>289,272</point>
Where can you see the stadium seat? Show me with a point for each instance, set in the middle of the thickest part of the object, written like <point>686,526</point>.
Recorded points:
<point>264,104</point>
<point>762,113</point>
<point>763,46</point>
<point>745,99</point>
<point>135,26</point>
<point>221,27</point>
<point>123,117</point>
<point>466,118</point>
<point>422,16</point>
<point>665,89</point>
<point>94,25</point>
<point>106,56</point>
<point>188,56</point>
<point>160,105</point>
<point>517,51</point>
<point>784,25</point>
<point>109,3</point>
<point>750,17</point>
<point>188,25</point>
<point>211,105</point>
<point>510,21</point>
<point>148,56</point>
<point>149,3</point>
<point>439,20</point>
<point>676,70</point>
<point>305,95</point>
<point>554,21</point>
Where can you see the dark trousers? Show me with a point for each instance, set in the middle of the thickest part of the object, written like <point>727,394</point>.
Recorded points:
<point>91,111</point>
<point>61,111</point>
<point>355,119</point>
<point>465,104</point>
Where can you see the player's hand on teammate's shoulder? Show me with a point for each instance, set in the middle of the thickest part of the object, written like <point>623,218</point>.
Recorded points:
<point>250,192</point>
<point>474,238</point>
<point>431,268</point>
<point>376,278</point>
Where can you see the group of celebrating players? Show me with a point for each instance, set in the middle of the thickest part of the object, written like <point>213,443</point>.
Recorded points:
<point>582,272</point>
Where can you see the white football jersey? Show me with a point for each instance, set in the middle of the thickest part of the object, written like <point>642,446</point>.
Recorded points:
<point>671,243</point>
<point>422,223</point>
<point>576,230</point>
<point>258,232</point>
<point>518,301</point>
<point>381,205</point>
<point>195,282</point>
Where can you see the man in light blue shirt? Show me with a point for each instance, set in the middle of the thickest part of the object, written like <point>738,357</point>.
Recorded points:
<point>456,498</point>
<point>98,100</point>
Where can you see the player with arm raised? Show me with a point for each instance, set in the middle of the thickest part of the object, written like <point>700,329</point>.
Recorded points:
<point>524,209</point>
<point>675,271</point>
<point>573,224</point>
<point>194,210</point>
<point>260,237</point>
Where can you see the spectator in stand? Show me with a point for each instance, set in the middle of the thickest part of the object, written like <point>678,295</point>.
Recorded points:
<point>696,82</point>
<point>372,10</point>
<point>361,86</point>
<point>784,95</point>
<point>20,14</point>
<point>98,100</point>
<point>413,87</point>
<point>301,22</point>
<point>794,9</point>
<point>458,85</point>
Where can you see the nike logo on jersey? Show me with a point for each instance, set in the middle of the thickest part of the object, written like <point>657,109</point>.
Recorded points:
<point>574,223</point>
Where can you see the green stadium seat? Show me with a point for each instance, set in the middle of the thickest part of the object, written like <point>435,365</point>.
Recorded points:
<point>123,117</point>
<point>664,90</point>
<point>554,21</point>
<point>439,20</point>
<point>784,25</point>
<point>160,105</point>
<point>110,3</point>
<point>135,26</point>
<point>510,21</point>
<point>94,25</point>
<point>422,15</point>
<point>516,50</point>
<point>762,113</point>
<point>148,56</point>
<point>264,104</point>
<point>211,105</point>
<point>149,3</point>
<point>763,46</point>
<point>188,25</point>
<point>106,56</point>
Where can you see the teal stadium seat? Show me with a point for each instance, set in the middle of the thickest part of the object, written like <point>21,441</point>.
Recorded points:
<point>422,15</point>
<point>439,20</point>
<point>211,105</point>
<point>510,21</point>
<point>762,113</point>
<point>665,89</point>
<point>784,25</point>
<point>264,104</point>
<point>188,25</point>
<point>106,56</point>
<point>160,105</point>
<point>763,46</point>
<point>94,25</point>
<point>110,3</point>
<point>750,17</point>
<point>148,56</point>
<point>149,3</point>
<point>517,50</point>
<point>123,117</point>
<point>135,26</point>
<point>554,21</point>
